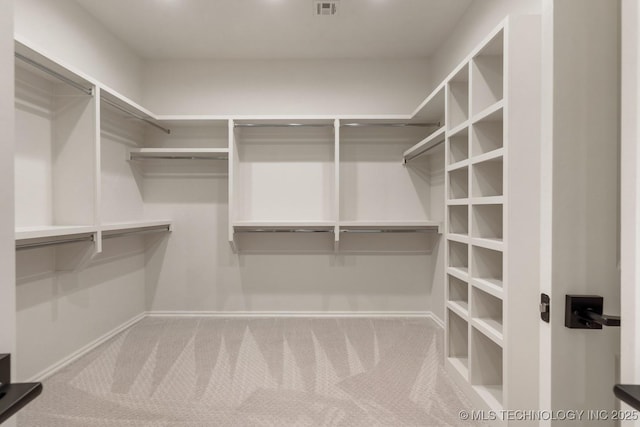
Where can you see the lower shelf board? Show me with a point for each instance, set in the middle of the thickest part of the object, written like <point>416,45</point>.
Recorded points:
<point>490,328</point>
<point>490,286</point>
<point>22,233</point>
<point>460,307</point>
<point>461,273</point>
<point>460,364</point>
<point>491,394</point>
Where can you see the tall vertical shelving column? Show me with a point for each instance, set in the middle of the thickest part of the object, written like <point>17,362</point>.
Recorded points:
<point>486,225</point>
<point>485,316</point>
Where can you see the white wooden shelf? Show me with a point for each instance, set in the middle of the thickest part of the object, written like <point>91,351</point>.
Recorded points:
<point>432,108</point>
<point>461,273</point>
<point>488,243</point>
<point>135,228</point>
<point>251,226</point>
<point>460,238</point>
<point>130,108</point>
<point>490,286</point>
<point>132,225</point>
<point>492,394</point>
<point>460,307</point>
<point>492,200</point>
<point>179,153</point>
<point>53,231</point>
<point>391,225</point>
<point>491,328</point>
<point>462,127</point>
<point>488,157</point>
<point>458,202</point>
<point>461,365</point>
<point>426,144</point>
<point>491,113</point>
<point>458,165</point>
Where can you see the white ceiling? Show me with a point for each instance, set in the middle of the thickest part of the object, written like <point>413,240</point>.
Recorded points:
<point>258,29</point>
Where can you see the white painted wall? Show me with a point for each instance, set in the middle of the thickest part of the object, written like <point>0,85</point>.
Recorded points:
<point>195,269</point>
<point>68,33</point>
<point>390,86</point>
<point>60,312</point>
<point>478,20</point>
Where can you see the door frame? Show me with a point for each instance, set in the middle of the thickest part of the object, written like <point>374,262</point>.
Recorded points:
<point>630,194</point>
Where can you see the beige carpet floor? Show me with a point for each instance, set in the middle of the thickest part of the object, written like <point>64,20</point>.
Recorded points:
<point>257,372</point>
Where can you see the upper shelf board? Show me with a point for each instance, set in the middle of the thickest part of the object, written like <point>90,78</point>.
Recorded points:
<point>432,108</point>
<point>179,153</point>
<point>23,233</point>
<point>28,57</point>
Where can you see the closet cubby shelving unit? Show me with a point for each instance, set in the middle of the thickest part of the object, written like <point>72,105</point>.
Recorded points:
<point>482,322</point>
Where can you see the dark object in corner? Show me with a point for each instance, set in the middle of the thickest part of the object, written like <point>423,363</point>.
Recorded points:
<point>14,397</point>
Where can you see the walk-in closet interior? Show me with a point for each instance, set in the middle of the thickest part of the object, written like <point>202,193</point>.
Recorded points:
<point>287,204</point>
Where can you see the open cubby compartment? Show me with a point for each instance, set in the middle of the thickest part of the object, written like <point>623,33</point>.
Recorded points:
<point>284,174</point>
<point>459,256</point>
<point>458,338</point>
<point>487,178</point>
<point>459,219</point>
<point>487,308</point>
<point>458,98</point>
<point>487,221</point>
<point>487,134</point>
<point>55,151</point>
<point>458,291</point>
<point>459,183</point>
<point>486,264</point>
<point>459,146</point>
<point>486,368</point>
<point>487,75</point>
<point>374,185</point>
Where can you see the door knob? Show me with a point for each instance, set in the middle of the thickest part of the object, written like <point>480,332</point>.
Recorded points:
<point>585,312</point>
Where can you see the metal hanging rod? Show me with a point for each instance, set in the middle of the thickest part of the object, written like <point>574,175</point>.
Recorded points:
<point>408,159</point>
<point>377,230</point>
<point>162,229</point>
<point>137,116</point>
<point>86,90</point>
<point>267,230</point>
<point>43,244</point>
<point>327,125</point>
<point>283,125</point>
<point>136,156</point>
<point>393,125</point>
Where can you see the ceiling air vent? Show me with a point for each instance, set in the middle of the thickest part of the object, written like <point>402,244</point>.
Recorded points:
<point>325,8</point>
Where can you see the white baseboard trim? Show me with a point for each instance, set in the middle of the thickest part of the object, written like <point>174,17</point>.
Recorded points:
<point>300,314</point>
<point>46,373</point>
